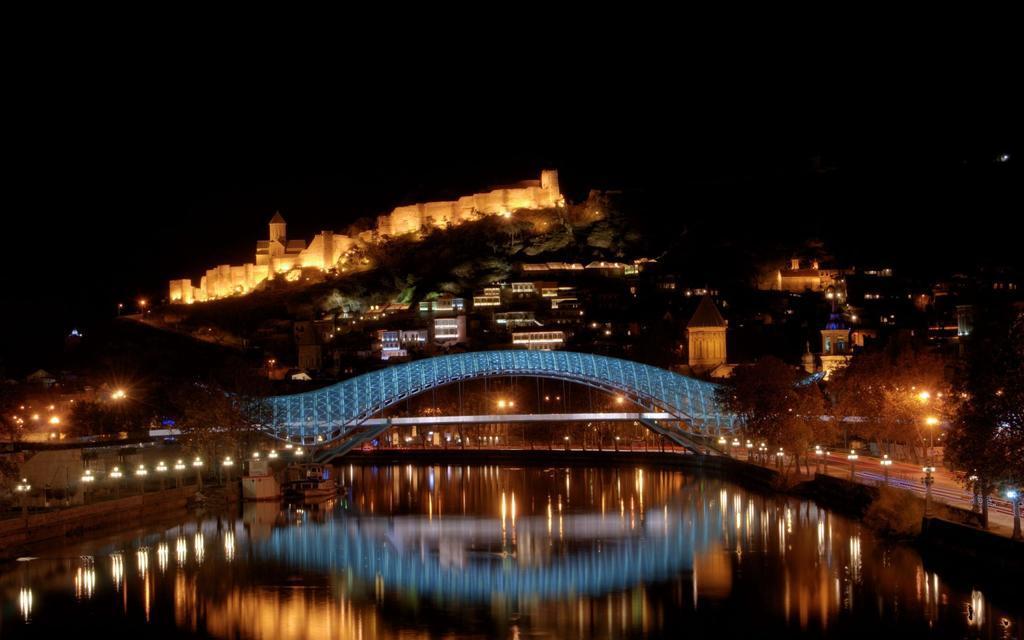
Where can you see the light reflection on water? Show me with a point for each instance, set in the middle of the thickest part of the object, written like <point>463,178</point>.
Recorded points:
<point>441,551</point>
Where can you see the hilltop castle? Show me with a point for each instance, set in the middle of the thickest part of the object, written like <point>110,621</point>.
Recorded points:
<point>277,255</point>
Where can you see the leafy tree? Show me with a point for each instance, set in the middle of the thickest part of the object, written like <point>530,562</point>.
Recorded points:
<point>10,427</point>
<point>987,435</point>
<point>891,392</point>
<point>215,423</point>
<point>109,418</point>
<point>775,408</point>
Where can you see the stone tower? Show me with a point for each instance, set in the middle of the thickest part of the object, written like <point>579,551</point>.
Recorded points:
<point>277,228</point>
<point>835,343</point>
<point>705,337</point>
<point>807,360</point>
<point>549,180</point>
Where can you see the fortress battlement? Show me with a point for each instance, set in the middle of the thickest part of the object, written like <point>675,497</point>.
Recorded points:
<point>280,256</point>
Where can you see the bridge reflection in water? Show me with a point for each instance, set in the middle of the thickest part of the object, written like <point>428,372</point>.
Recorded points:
<point>478,558</point>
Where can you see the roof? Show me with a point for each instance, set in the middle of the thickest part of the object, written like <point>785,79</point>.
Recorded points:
<point>706,315</point>
<point>277,219</point>
<point>835,322</point>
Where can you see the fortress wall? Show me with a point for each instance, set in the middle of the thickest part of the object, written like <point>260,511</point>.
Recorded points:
<point>327,248</point>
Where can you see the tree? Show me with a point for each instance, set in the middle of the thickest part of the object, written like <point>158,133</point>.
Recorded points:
<point>776,408</point>
<point>215,423</point>
<point>11,425</point>
<point>986,440</point>
<point>890,393</point>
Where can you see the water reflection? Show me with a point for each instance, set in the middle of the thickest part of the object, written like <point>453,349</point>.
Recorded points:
<point>447,551</point>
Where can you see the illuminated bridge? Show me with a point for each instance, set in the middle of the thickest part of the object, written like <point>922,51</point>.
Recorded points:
<point>343,411</point>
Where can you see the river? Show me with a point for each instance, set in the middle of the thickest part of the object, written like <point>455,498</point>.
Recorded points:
<point>415,551</point>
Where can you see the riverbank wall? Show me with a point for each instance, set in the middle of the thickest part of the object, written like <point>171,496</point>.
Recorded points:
<point>18,533</point>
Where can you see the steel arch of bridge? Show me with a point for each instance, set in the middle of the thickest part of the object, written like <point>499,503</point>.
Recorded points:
<point>330,413</point>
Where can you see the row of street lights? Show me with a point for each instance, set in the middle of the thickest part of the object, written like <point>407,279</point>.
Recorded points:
<point>928,480</point>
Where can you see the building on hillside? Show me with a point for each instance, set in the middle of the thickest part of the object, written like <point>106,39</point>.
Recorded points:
<point>539,339</point>
<point>489,297</point>
<point>450,331</point>
<point>444,303</point>
<point>798,278</point>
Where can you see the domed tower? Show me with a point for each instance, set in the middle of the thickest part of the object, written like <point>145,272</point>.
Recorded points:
<point>705,337</point>
<point>807,360</point>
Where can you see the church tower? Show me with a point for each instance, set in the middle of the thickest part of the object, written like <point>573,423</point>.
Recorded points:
<point>835,343</point>
<point>277,229</point>
<point>705,337</point>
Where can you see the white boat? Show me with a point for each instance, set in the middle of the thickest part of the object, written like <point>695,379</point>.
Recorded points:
<point>308,482</point>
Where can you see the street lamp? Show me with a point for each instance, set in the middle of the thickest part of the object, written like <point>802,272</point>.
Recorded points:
<point>976,490</point>
<point>141,474</point>
<point>227,464</point>
<point>819,452</point>
<point>87,479</point>
<point>22,488</point>
<point>116,475</point>
<point>886,463</point>
<point>273,454</point>
<point>750,449</point>
<point>780,456</point>
<point>197,464</point>
<point>852,457</point>
<point>1015,498</point>
<point>931,421</point>
<point>566,443</point>
<point>179,466</point>
<point>928,481</point>
<point>161,469</point>
<point>298,452</point>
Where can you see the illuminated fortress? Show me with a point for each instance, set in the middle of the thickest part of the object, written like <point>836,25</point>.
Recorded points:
<point>279,256</point>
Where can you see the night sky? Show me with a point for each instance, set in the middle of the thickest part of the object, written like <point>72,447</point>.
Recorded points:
<point>133,185</point>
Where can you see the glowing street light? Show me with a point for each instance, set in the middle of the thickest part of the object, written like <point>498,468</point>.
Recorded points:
<point>118,394</point>
<point>161,469</point>
<point>298,452</point>
<point>54,420</point>
<point>886,463</point>
<point>1015,498</point>
<point>22,489</point>
<point>197,464</point>
<point>255,455</point>
<point>852,457</point>
<point>928,480</point>
<point>179,467</point>
<point>932,422</point>
<point>924,396</point>
<point>273,454</point>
